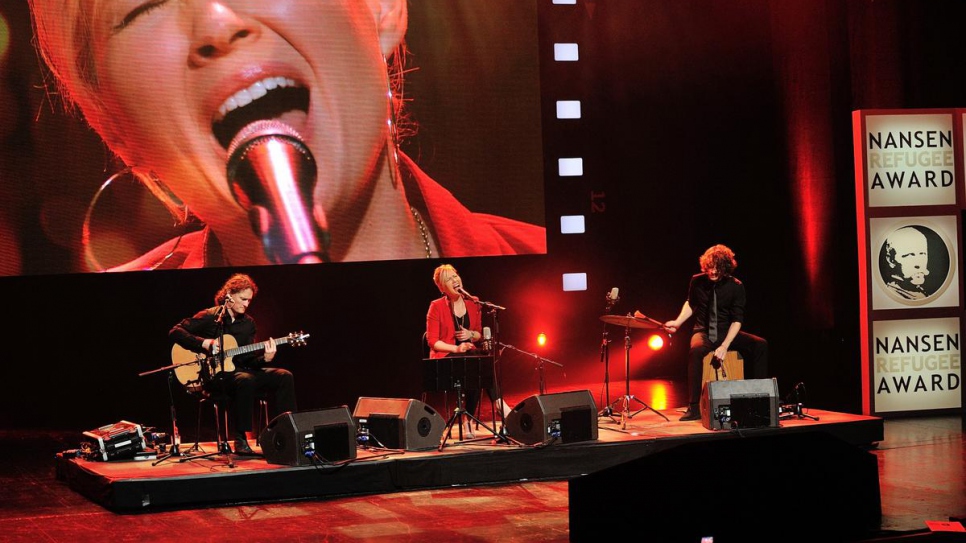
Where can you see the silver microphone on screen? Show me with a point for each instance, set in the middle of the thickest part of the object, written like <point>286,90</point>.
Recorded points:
<point>271,173</point>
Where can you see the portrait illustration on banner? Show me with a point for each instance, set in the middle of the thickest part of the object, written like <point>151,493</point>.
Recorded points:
<point>916,262</point>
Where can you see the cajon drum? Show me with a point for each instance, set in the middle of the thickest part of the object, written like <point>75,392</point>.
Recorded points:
<point>732,368</point>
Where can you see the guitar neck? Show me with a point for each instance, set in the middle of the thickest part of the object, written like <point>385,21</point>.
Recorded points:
<point>254,347</point>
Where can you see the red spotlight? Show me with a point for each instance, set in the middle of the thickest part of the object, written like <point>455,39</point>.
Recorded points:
<point>541,339</point>
<point>655,342</point>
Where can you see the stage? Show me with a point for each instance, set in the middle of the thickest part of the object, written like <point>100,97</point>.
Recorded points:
<point>187,482</point>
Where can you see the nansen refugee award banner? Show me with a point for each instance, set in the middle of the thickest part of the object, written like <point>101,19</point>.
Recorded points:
<point>909,199</point>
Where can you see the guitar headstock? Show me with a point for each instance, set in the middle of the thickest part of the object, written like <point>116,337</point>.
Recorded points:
<point>297,339</point>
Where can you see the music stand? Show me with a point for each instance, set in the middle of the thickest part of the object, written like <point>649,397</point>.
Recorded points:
<point>472,372</point>
<point>629,322</point>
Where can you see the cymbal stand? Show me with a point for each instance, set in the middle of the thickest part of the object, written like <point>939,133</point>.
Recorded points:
<point>627,398</point>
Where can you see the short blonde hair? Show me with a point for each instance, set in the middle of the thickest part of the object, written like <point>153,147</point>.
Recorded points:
<point>442,273</point>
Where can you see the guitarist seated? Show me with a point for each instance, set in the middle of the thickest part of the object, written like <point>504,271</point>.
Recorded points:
<point>241,376</point>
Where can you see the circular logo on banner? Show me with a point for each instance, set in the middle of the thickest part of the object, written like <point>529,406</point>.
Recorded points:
<point>914,264</point>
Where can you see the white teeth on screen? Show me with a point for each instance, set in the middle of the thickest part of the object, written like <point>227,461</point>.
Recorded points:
<point>257,90</point>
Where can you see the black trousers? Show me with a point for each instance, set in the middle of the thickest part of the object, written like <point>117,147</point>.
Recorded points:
<point>472,399</point>
<point>242,387</point>
<point>752,348</point>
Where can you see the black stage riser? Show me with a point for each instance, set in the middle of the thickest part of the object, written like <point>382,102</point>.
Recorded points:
<point>708,477</point>
<point>760,487</point>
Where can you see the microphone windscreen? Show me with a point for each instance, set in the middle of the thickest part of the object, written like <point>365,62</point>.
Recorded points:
<point>613,293</point>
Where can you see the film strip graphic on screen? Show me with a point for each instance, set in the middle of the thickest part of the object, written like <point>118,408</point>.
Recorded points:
<point>909,202</point>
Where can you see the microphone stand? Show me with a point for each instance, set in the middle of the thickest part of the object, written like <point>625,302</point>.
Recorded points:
<point>540,362</point>
<point>492,309</point>
<point>223,446</point>
<point>175,450</point>
<point>608,410</point>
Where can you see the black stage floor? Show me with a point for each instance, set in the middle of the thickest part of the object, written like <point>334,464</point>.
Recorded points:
<point>185,481</point>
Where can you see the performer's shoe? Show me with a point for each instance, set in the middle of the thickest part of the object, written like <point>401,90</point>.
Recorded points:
<point>468,430</point>
<point>501,406</point>
<point>242,446</point>
<point>691,414</point>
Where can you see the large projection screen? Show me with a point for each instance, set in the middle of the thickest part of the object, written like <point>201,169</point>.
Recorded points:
<point>470,122</point>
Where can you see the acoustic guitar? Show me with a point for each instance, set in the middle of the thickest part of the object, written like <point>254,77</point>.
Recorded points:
<point>194,370</point>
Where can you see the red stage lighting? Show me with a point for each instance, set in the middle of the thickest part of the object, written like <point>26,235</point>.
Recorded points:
<point>541,339</point>
<point>655,342</point>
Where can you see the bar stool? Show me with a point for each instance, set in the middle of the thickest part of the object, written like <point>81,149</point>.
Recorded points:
<point>260,418</point>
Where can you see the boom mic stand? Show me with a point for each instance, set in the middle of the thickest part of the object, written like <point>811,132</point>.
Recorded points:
<point>792,408</point>
<point>175,449</point>
<point>540,362</point>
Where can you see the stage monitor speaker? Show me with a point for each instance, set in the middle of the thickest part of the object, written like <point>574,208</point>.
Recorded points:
<point>305,438</point>
<point>398,423</point>
<point>744,403</point>
<point>567,416</point>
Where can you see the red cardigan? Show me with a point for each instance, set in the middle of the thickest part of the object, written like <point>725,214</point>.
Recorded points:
<point>459,232</point>
<point>440,326</point>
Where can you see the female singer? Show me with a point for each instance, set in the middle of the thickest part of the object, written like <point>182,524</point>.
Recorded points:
<point>453,326</point>
<point>169,84</point>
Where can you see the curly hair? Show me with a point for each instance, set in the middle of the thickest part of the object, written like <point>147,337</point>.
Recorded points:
<point>718,257</point>
<point>235,283</point>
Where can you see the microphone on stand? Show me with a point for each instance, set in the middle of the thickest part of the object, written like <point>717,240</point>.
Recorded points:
<point>487,339</point>
<point>271,171</point>
<point>467,295</point>
<point>611,298</point>
<point>224,306</point>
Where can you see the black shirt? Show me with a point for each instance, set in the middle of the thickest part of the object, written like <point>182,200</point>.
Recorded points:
<point>731,301</point>
<point>191,332</point>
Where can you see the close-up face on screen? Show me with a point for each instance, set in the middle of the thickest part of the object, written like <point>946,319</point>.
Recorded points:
<point>169,134</point>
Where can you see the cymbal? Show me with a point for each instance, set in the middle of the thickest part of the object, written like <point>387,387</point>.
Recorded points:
<point>628,321</point>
